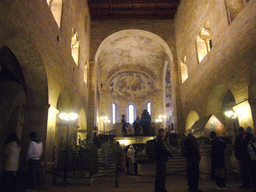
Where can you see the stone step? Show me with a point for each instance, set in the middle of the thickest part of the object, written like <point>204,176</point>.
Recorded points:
<point>101,169</point>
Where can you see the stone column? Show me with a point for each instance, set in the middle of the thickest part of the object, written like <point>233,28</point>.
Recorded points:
<point>92,107</point>
<point>158,103</point>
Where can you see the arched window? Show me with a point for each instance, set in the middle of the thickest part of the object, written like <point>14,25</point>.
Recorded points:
<point>203,41</point>
<point>184,70</point>
<point>149,107</point>
<point>234,7</point>
<point>56,9</point>
<point>75,46</point>
<point>131,113</point>
<point>85,73</point>
<point>114,113</point>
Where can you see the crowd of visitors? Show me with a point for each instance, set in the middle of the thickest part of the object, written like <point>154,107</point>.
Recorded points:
<point>9,176</point>
<point>141,125</point>
<point>245,152</point>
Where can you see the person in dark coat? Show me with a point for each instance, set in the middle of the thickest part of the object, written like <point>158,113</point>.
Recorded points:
<point>95,137</point>
<point>218,170</point>
<point>240,153</point>
<point>190,149</point>
<point>248,159</point>
<point>124,125</point>
<point>163,154</point>
<point>136,125</point>
<point>145,122</point>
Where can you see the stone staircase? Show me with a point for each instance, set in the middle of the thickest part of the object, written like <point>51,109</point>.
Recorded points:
<point>101,169</point>
<point>177,164</point>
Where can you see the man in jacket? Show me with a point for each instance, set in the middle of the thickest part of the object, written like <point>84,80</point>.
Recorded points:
<point>34,153</point>
<point>190,149</point>
<point>163,153</point>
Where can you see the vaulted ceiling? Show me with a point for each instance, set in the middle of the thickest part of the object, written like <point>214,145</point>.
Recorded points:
<point>132,62</point>
<point>147,9</point>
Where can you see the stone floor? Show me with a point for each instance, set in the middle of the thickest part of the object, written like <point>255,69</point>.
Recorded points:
<point>130,183</point>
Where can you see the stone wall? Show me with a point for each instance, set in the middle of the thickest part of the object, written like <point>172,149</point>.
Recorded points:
<point>227,65</point>
<point>43,51</point>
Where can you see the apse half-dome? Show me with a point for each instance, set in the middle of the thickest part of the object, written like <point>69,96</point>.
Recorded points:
<point>131,84</point>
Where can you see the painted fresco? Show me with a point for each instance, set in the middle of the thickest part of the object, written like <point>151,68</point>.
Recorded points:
<point>131,84</point>
<point>131,49</point>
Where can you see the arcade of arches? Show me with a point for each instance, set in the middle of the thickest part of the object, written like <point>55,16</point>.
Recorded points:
<point>55,58</point>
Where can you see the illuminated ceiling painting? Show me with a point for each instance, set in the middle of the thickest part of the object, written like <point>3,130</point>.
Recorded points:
<point>131,84</point>
<point>131,50</point>
<point>130,61</point>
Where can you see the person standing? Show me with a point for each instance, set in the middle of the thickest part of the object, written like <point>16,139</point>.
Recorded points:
<point>190,149</point>
<point>105,153</point>
<point>135,160</point>
<point>136,125</point>
<point>11,166</point>
<point>248,154</point>
<point>95,137</point>
<point>162,156</point>
<point>124,125</point>
<point>145,122</point>
<point>240,153</point>
<point>34,153</point>
<point>131,157</point>
<point>218,170</point>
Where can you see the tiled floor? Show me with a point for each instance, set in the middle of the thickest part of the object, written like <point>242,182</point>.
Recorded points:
<point>130,183</point>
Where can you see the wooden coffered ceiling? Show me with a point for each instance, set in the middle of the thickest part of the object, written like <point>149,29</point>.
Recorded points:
<point>142,9</point>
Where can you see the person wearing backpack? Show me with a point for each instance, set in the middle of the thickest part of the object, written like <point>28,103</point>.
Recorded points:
<point>162,156</point>
<point>190,149</point>
<point>248,153</point>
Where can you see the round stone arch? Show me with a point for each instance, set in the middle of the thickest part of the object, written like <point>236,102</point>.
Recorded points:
<point>191,119</point>
<point>139,32</point>
<point>252,93</point>
<point>33,70</point>
<point>107,42</point>
<point>31,73</point>
<point>65,104</point>
<point>220,100</point>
